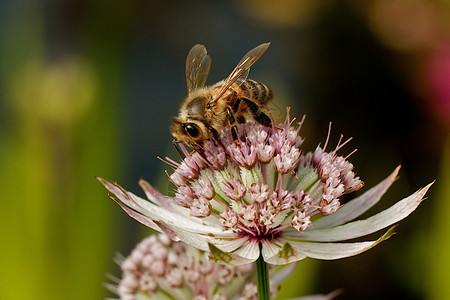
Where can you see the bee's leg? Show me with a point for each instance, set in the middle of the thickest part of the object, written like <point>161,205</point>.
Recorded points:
<point>234,133</point>
<point>258,115</point>
<point>232,122</point>
<point>214,133</point>
<point>240,119</point>
<point>236,104</point>
<point>216,136</point>
<point>197,148</point>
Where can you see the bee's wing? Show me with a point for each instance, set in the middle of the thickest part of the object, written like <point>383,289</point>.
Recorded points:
<point>197,67</point>
<point>241,70</point>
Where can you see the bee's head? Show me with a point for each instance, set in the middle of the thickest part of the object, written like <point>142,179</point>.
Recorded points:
<point>190,132</point>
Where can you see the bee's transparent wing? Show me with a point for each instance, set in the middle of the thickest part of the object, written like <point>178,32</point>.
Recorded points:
<point>243,77</point>
<point>241,71</point>
<point>198,64</point>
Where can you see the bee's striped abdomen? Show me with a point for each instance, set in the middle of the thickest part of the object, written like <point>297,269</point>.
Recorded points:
<point>256,91</point>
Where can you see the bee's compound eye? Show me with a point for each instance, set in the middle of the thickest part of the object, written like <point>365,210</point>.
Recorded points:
<point>191,129</point>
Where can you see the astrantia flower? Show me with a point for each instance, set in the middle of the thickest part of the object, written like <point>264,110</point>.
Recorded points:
<point>159,268</point>
<point>261,189</point>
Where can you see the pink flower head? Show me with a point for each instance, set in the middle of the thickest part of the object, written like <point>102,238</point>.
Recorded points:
<point>159,268</point>
<point>234,195</point>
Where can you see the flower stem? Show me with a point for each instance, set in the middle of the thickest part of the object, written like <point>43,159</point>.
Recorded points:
<point>262,272</point>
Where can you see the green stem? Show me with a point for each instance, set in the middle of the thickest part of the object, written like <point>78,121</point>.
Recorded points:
<point>262,271</point>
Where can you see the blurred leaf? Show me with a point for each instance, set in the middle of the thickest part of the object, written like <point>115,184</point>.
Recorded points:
<point>438,250</point>
<point>61,134</point>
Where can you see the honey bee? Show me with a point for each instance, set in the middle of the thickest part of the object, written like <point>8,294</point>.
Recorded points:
<point>208,109</point>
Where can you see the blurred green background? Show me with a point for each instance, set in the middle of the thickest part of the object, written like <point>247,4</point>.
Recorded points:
<point>87,88</point>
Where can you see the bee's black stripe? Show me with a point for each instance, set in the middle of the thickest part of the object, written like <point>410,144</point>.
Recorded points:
<point>245,89</point>
<point>253,86</point>
<point>231,118</point>
<point>258,115</point>
<point>254,108</point>
<point>236,105</point>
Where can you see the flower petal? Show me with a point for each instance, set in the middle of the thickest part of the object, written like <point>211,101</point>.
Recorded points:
<point>136,215</point>
<point>242,250</point>
<point>329,251</point>
<point>249,251</point>
<point>230,245</point>
<point>269,249</point>
<point>357,206</point>
<point>221,257</point>
<point>355,229</point>
<point>159,199</point>
<point>128,206</point>
<point>154,212</point>
<point>198,241</point>
<point>277,255</point>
